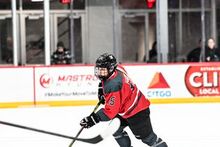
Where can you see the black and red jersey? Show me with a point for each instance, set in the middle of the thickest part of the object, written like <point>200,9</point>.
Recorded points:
<point>122,96</point>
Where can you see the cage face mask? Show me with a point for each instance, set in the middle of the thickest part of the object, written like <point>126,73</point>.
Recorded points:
<point>101,73</point>
<point>105,66</point>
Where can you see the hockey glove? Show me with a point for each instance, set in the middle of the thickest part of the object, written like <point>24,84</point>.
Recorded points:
<point>101,94</point>
<point>90,121</point>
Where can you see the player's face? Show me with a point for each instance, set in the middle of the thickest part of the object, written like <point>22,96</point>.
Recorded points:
<point>101,72</point>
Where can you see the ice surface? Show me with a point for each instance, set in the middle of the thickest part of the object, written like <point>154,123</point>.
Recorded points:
<point>180,125</point>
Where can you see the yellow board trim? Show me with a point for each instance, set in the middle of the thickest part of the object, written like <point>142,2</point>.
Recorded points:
<point>15,104</point>
<point>67,103</point>
<point>94,102</point>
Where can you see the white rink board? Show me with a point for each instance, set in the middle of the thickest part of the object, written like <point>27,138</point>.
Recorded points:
<point>16,84</point>
<point>51,84</point>
<point>189,125</point>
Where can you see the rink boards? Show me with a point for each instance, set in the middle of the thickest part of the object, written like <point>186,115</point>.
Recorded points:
<point>76,84</point>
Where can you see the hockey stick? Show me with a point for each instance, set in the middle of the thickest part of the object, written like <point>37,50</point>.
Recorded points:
<point>77,135</point>
<point>111,129</point>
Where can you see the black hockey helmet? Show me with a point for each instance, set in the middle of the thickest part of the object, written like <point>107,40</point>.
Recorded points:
<point>107,61</point>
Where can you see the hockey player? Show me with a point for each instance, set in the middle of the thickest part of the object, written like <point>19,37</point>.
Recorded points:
<point>124,100</point>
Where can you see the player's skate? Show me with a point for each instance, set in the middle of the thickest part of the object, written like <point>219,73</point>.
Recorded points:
<point>159,143</point>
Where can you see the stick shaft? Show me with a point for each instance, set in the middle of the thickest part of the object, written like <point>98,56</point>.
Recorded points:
<point>77,135</point>
<point>36,130</point>
<point>87,140</point>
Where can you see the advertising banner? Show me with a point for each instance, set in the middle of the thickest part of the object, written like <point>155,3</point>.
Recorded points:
<point>160,81</point>
<point>65,83</point>
<point>203,80</point>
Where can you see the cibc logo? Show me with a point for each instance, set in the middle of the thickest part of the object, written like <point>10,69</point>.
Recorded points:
<point>203,80</point>
<point>45,80</point>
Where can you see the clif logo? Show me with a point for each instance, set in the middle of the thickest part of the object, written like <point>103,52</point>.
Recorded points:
<point>158,87</point>
<point>45,80</point>
<point>203,80</point>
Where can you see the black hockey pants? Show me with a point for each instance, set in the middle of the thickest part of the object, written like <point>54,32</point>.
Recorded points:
<point>141,127</point>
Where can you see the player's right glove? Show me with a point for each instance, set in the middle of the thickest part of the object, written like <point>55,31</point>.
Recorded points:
<point>101,94</point>
<point>90,121</point>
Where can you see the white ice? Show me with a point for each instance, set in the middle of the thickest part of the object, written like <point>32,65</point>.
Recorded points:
<point>180,125</point>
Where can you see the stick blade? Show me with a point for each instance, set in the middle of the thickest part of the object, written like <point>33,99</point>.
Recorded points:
<point>110,130</point>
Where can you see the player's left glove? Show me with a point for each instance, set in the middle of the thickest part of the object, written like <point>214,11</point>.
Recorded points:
<point>90,121</point>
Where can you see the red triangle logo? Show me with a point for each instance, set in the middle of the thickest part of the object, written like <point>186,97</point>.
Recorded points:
<point>158,81</point>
